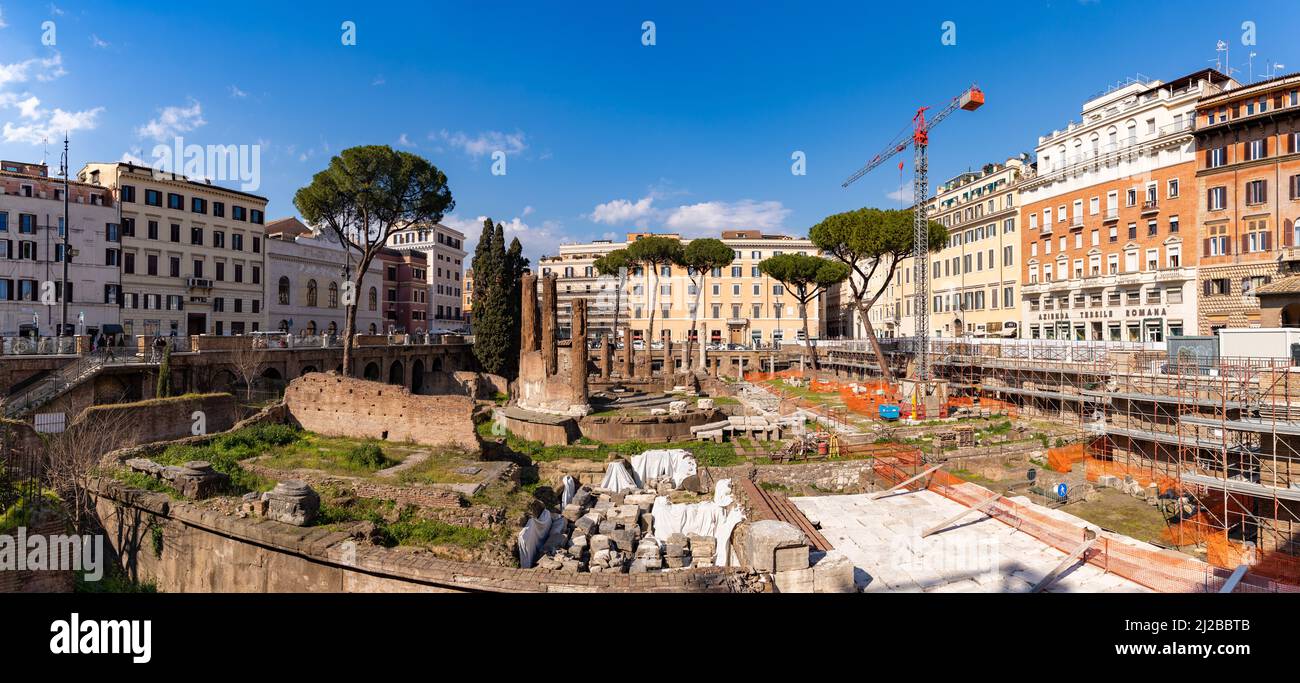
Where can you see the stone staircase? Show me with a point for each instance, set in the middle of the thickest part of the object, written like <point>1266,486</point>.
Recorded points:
<point>53,386</point>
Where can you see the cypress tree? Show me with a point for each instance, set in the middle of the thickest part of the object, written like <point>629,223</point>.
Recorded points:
<point>516,264</point>
<point>164,388</point>
<point>492,329</point>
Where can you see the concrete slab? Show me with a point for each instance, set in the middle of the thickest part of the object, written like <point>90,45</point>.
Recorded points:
<point>978,555</point>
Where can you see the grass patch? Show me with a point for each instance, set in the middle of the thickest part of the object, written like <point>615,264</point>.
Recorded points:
<point>225,452</point>
<point>398,527</point>
<point>140,480</point>
<point>707,453</point>
<point>440,468</point>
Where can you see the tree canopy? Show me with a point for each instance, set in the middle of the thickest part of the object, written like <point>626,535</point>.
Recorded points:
<point>363,196</point>
<point>497,300</point>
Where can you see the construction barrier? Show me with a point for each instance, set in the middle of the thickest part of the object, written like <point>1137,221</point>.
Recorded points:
<point>1063,458</point>
<point>1161,570</point>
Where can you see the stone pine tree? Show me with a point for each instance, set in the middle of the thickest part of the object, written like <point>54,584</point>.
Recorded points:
<point>805,277</point>
<point>615,264</point>
<point>653,253</point>
<point>700,257</point>
<point>871,241</point>
<point>364,196</point>
<point>516,265</point>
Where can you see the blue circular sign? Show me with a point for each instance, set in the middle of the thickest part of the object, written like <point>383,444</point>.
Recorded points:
<point>1061,489</point>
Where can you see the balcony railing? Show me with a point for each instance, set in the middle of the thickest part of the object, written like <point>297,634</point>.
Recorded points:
<point>1150,206</point>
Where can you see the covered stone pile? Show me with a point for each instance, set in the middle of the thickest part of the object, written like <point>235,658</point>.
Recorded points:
<point>608,531</point>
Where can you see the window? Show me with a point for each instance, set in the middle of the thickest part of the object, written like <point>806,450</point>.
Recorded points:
<point>311,292</point>
<point>1254,149</point>
<point>1216,157</point>
<point>1218,286</point>
<point>1007,256</point>
<point>1217,243</point>
<point>176,233</point>
<point>1172,191</point>
<point>238,213</point>
<point>196,236</point>
<point>174,266</point>
<point>1216,198</point>
<point>1130,197</point>
<point>153,197</point>
<point>1256,238</point>
<point>334,295</point>
<point>1256,191</point>
<point>198,205</point>
<point>175,201</point>
<point>128,193</point>
<point>219,209</point>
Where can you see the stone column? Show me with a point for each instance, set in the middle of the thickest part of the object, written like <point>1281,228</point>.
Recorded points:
<point>578,352</point>
<point>605,360</point>
<point>530,339</point>
<point>549,324</point>
<point>628,364</point>
<point>702,340</point>
<point>668,370</point>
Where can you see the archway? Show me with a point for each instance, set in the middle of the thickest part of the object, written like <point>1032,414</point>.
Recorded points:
<point>372,371</point>
<point>307,369</point>
<point>396,372</point>
<point>417,376</point>
<point>437,363</point>
<point>271,373</point>
<point>1291,315</point>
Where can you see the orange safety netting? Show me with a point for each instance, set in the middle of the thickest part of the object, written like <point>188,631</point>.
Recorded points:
<point>1095,468</point>
<point>991,404</point>
<point>1062,458</point>
<point>1156,568</point>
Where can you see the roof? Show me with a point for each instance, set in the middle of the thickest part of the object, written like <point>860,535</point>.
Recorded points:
<point>289,227</point>
<point>1287,285</point>
<point>1251,89</point>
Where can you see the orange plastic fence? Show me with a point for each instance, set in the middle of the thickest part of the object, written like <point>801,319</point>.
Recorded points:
<point>1062,458</point>
<point>1160,570</point>
<point>1005,407</point>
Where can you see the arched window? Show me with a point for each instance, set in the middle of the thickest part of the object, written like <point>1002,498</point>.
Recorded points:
<point>284,291</point>
<point>374,298</point>
<point>311,327</point>
<point>284,325</point>
<point>333,328</point>
<point>372,325</point>
<point>334,295</point>
<point>311,292</point>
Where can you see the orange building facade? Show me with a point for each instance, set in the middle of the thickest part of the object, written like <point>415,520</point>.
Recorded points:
<point>1248,191</point>
<point>1109,217</point>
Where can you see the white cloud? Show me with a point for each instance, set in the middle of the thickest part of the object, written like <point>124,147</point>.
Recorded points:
<point>42,69</point>
<point>624,211</point>
<point>404,141</point>
<point>712,217</point>
<point>527,210</point>
<point>49,125</point>
<point>2,18</point>
<point>96,41</point>
<point>173,121</point>
<point>236,93</point>
<point>484,143</point>
<point>537,240</point>
<point>134,156</point>
<point>379,80</point>
<point>903,194</point>
<point>703,218</point>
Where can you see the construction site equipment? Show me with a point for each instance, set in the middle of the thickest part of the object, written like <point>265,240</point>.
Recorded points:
<point>1069,560</point>
<point>947,523</point>
<point>904,483</point>
<point>919,139</point>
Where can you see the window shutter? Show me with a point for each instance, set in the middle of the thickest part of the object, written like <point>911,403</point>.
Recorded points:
<point>1207,246</point>
<point>1245,245</point>
<point>1267,237</point>
<point>1207,287</point>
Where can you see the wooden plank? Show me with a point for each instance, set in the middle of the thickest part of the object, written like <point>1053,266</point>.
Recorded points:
<point>953,520</point>
<point>1237,575</point>
<point>1069,560</point>
<point>901,484</point>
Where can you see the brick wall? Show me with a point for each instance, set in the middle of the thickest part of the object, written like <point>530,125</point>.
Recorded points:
<point>208,551</point>
<point>162,419</point>
<point>344,406</point>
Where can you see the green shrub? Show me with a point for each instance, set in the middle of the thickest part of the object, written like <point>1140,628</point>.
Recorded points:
<point>367,455</point>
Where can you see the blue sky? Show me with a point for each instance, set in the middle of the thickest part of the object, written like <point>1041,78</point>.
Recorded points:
<point>601,134</point>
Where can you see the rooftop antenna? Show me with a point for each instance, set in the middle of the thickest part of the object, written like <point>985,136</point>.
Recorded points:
<point>1250,66</point>
<point>1223,64</point>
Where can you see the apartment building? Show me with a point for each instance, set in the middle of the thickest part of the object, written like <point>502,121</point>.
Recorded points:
<point>444,252</point>
<point>192,257</point>
<point>306,274</point>
<point>1248,191</point>
<point>739,305</point>
<point>467,297</point>
<point>1105,249</point>
<point>32,253</point>
<point>975,278</point>
<point>405,305</point>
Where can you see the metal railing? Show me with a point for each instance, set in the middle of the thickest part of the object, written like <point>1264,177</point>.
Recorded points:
<point>38,346</point>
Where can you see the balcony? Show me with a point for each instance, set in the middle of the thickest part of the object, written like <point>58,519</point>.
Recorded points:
<point>1288,254</point>
<point>199,283</point>
<point>737,322</point>
<point>1097,281</point>
<point>1076,223</point>
<point>1150,206</point>
<point>1176,274</point>
<point>1111,215</point>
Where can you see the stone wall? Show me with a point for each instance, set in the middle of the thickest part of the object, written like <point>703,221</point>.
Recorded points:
<point>344,406</point>
<point>837,476</point>
<point>647,428</point>
<point>202,550</point>
<point>161,419</point>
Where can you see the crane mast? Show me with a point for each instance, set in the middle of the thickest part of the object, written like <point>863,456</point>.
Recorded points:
<point>919,139</point>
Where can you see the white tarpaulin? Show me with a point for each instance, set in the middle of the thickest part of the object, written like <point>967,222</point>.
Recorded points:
<point>716,518</point>
<point>534,534</point>
<point>618,477</point>
<point>570,488</point>
<point>676,463</point>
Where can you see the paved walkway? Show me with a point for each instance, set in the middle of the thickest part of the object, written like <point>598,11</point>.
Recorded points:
<point>977,555</point>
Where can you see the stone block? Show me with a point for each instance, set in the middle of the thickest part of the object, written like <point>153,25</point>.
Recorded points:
<point>677,561</point>
<point>703,546</point>
<point>704,404</point>
<point>796,581</point>
<point>773,546</point>
<point>645,501</point>
<point>292,502</point>
<point>608,526</point>
<point>600,542</point>
<point>623,539</point>
<point>833,573</point>
<point>647,523</point>
<point>677,407</point>
<point>571,512</point>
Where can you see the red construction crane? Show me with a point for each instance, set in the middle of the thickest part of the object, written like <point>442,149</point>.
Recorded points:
<point>919,139</point>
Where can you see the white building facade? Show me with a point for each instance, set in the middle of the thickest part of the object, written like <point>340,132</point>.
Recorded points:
<point>445,249</point>
<point>306,287</point>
